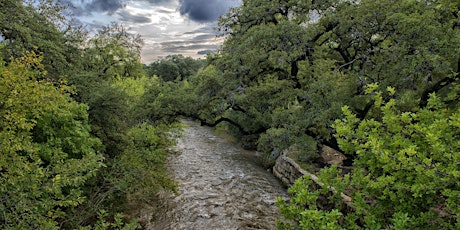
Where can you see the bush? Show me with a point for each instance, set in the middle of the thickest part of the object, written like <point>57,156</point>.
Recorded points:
<point>405,174</point>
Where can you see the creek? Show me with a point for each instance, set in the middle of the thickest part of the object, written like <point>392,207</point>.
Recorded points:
<point>220,186</point>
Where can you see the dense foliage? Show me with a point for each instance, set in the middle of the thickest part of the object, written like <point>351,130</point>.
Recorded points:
<point>174,67</point>
<point>405,173</point>
<point>289,69</point>
<point>42,28</point>
<point>77,148</point>
<point>47,152</point>
<point>86,127</point>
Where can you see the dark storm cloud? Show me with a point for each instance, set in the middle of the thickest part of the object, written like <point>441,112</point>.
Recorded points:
<point>109,6</point>
<point>139,18</point>
<point>85,7</point>
<point>196,10</point>
<point>205,10</point>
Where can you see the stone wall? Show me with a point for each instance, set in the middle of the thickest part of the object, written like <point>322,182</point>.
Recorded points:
<point>287,170</point>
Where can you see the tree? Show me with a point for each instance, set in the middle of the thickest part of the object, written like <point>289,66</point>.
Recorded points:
<point>316,56</point>
<point>270,64</point>
<point>405,174</point>
<point>111,54</point>
<point>51,161</point>
<point>47,151</point>
<point>174,67</point>
<point>40,26</point>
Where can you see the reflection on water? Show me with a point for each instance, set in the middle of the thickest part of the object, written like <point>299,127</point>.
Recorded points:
<point>220,186</point>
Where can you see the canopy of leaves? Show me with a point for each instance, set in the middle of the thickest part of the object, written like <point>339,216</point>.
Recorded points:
<point>47,152</point>
<point>405,174</point>
<point>113,84</point>
<point>174,67</point>
<point>288,67</point>
<point>39,26</point>
<point>53,147</point>
<point>284,72</point>
<point>291,65</point>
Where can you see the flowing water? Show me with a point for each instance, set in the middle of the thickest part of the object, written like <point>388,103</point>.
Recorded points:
<point>220,186</point>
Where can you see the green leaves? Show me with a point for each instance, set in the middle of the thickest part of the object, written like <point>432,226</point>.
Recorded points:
<point>174,67</point>
<point>408,156</point>
<point>47,153</point>
<point>40,27</point>
<point>123,112</point>
<point>303,209</point>
<point>54,172</point>
<point>404,173</point>
<point>143,162</point>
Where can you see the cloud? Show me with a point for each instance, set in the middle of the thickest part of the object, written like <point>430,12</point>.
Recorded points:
<point>196,10</point>
<point>126,16</point>
<point>202,29</point>
<point>86,7</point>
<point>204,37</point>
<point>159,2</point>
<point>180,47</point>
<point>167,26</point>
<point>206,10</point>
<point>109,6</point>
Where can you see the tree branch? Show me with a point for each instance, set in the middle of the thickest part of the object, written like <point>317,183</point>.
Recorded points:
<point>436,87</point>
<point>222,119</point>
<point>345,198</point>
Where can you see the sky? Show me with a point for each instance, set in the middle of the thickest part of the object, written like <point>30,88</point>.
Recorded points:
<point>168,27</point>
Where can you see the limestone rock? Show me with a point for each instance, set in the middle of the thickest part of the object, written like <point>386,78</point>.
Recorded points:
<point>331,156</point>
